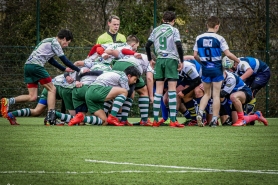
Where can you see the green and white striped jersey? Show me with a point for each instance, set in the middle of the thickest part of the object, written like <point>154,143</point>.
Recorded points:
<point>140,64</point>
<point>45,50</point>
<point>164,38</point>
<point>97,66</point>
<point>60,80</point>
<point>112,78</point>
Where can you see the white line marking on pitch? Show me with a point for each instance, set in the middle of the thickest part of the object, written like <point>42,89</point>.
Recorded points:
<point>95,172</point>
<point>186,167</point>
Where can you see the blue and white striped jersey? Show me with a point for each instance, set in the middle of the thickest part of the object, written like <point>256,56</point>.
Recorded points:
<point>188,71</point>
<point>210,45</point>
<point>250,62</point>
<point>232,83</point>
<point>197,66</point>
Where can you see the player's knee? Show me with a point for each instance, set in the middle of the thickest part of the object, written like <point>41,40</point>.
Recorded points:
<point>198,93</point>
<point>233,98</point>
<point>33,98</point>
<point>124,92</point>
<point>52,89</point>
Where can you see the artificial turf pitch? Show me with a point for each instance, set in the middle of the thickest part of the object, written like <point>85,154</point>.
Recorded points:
<point>36,154</point>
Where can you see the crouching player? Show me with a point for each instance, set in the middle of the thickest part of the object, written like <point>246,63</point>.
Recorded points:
<point>237,91</point>
<point>111,85</point>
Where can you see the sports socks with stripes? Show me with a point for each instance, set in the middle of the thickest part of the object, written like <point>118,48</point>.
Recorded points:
<point>22,112</point>
<point>144,107</point>
<point>172,105</point>
<point>117,104</point>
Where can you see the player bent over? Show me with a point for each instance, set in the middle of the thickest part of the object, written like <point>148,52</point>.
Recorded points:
<point>34,72</point>
<point>237,91</point>
<point>111,85</point>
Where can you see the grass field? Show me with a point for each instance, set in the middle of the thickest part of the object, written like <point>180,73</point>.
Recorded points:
<point>36,154</point>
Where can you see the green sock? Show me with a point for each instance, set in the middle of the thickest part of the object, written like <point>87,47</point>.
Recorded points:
<point>156,105</point>
<point>126,108</point>
<point>22,112</point>
<point>63,117</point>
<point>172,105</point>
<point>144,102</point>
<point>94,120</point>
<point>118,102</point>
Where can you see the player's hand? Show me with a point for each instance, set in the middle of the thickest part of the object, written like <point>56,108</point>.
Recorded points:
<point>68,69</point>
<point>105,56</point>
<point>69,79</point>
<point>180,94</point>
<point>201,87</point>
<point>85,70</point>
<point>180,66</point>
<point>152,63</point>
<point>78,84</point>
<point>137,55</point>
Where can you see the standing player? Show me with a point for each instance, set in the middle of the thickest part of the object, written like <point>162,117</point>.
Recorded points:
<point>168,47</point>
<point>34,72</point>
<point>207,50</point>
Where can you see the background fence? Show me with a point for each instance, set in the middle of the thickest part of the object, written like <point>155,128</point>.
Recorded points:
<point>13,59</point>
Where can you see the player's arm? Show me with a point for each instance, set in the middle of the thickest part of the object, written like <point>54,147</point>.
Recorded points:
<point>68,78</point>
<point>231,56</point>
<point>94,49</point>
<point>194,83</point>
<point>148,49</point>
<point>180,50</point>
<point>79,63</point>
<point>113,52</point>
<point>68,63</point>
<point>91,73</point>
<point>188,57</point>
<point>247,74</point>
<point>196,56</point>
<point>228,88</point>
<point>150,82</point>
<point>223,93</point>
<point>131,90</point>
<point>53,62</point>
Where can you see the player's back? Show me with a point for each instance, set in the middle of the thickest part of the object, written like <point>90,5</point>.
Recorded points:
<point>210,46</point>
<point>112,78</point>
<point>164,38</point>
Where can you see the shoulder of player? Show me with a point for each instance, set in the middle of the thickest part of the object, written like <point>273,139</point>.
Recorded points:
<point>121,35</point>
<point>230,77</point>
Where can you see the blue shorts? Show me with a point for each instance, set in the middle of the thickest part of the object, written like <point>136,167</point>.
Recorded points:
<point>183,82</point>
<point>260,79</point>
<point>212,79</point>
<point>248,94</point>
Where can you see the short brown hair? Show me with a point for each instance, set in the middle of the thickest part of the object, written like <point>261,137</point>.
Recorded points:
<point>132,38</point>
<point>213,21</point>
<point>169,16</point>
<point>113,17</point>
